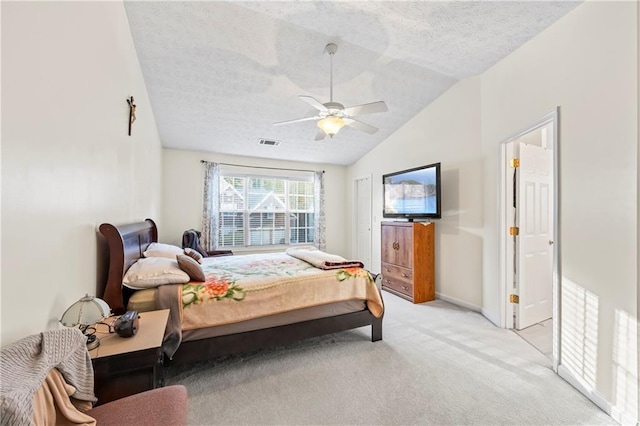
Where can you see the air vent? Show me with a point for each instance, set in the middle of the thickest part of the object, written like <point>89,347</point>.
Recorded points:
<point>269,142</point>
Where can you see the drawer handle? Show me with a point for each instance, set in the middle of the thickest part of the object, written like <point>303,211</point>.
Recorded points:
<point>404,275</point>
<point>387,281</point>
<point>388,270</point>
<point>404,287</point>
<point>396,245</point>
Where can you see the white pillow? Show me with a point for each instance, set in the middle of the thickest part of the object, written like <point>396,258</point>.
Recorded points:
<point>154,271</point>
<point>163,250</point>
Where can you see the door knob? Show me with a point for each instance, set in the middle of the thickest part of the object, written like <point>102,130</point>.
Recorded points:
<point>550,242</point>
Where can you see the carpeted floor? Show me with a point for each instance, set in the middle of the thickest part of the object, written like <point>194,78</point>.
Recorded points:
<point>438,364</point>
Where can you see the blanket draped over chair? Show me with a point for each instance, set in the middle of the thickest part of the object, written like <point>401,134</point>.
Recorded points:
<point>25,364</point>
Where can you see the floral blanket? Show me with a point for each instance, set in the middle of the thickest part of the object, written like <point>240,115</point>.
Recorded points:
<point>244,287</point>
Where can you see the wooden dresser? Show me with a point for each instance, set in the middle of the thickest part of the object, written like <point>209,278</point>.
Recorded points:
<point>408,260</point>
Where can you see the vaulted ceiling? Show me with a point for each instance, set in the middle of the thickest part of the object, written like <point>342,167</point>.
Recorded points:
<point>220,73</point>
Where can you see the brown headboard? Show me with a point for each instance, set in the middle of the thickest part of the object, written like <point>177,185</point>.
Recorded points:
<point>126,245</point>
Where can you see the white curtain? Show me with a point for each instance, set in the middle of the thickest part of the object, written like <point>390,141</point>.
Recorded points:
<point>211,206</point>
<point>320,230</point>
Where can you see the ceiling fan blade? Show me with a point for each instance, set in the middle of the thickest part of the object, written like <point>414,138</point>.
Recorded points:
<point>360,125</point>
<point>379,106</point>
<point>320,135</point>
<point>298,120</point>
<point>313,102</point>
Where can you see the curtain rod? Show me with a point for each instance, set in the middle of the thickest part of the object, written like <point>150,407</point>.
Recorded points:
<point>262,167</point>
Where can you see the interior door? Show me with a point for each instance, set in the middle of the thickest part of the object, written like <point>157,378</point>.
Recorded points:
<point>535,242</point>
<point>363,218</point>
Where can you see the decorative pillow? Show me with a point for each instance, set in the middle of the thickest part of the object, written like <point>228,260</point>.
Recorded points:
<point>162,250</point>
<point>191,267</point>
<point>151,272</point>
<point>194,254</point>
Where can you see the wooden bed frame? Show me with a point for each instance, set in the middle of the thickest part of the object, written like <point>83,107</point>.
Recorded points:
<point>127,244</point>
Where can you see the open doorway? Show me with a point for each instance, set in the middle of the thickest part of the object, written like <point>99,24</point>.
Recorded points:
<point>528,234</point>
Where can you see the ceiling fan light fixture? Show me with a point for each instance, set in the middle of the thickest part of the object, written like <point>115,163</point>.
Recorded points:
<point>331,125</point>
<point>332,116</point>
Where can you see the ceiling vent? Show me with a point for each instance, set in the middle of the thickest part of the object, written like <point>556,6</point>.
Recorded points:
<point>269,142</point>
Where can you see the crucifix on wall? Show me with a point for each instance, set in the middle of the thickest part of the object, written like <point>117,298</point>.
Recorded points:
<point>132,112</point>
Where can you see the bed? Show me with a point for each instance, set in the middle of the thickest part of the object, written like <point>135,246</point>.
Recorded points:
<point>126,245</point>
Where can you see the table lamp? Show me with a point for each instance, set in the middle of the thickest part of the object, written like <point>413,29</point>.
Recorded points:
<point>84,313</point>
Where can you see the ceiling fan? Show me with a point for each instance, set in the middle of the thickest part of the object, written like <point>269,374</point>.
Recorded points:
<point>332,116</point>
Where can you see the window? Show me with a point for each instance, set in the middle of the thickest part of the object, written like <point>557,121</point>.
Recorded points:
<point>265,211</point>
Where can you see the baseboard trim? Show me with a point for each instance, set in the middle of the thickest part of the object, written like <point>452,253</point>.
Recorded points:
<point>458,302</point>
<point>491,317</point>
<point>596,397</point>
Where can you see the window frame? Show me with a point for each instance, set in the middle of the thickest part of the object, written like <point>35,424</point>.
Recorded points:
<point>309,193</point>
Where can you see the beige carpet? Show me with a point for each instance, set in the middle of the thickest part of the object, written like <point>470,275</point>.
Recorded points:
<point>438,364</point>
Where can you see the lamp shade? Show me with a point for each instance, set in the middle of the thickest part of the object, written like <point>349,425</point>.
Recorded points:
<point>331,124</point>
<point>85,311</point>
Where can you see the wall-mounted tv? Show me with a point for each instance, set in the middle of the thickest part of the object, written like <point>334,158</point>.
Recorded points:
<point>412,193</point>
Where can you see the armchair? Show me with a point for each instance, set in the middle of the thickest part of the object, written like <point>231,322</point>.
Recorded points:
<point>47,378</point>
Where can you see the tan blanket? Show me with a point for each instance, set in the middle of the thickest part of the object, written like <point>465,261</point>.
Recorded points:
<point>25,364</point>
<point>322,260</point>
<point>52,404</point>
<point>240,288</point>
<point>169,297</point>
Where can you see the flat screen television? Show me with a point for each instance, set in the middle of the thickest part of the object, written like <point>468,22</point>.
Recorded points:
<point>412,193</point>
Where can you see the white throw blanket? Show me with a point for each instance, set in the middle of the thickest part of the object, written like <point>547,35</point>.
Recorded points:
<point>322,260</point>
<point>25,364</point>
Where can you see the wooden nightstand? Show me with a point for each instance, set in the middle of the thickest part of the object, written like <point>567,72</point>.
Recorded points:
<point>125,366</point>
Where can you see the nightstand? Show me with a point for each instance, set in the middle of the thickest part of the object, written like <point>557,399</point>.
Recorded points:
<point>125,366</point>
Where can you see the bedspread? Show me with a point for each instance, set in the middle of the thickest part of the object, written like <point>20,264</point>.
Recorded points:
<point>244,287</point>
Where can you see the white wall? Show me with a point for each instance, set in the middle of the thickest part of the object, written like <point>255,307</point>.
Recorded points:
<point>448,131</point>
<point>67,162</point>
<point>183,176</point>
<point>586,63</point>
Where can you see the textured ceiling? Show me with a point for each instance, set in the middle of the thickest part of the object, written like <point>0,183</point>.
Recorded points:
<point>220,73</point>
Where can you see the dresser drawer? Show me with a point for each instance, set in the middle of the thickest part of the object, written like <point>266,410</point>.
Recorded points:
<point>398,279</point>
<point>397,272</point>
<point>403,287</point>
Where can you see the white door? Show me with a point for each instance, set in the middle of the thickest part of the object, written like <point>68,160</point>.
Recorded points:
<point>535,242</point>
<point>363,218</point>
